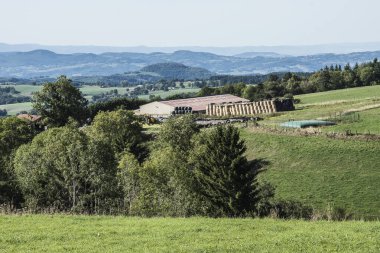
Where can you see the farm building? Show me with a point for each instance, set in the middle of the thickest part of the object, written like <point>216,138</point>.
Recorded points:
<point>218,105</point>
<point>187,105</point>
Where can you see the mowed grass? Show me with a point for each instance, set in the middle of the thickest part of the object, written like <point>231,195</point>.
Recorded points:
<point>58,233</point>
<point>320,171</point>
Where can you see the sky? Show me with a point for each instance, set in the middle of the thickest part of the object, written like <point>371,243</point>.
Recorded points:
<point>164,23</point>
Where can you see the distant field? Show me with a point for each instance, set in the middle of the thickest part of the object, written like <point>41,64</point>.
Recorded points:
<point>164,94</point>
<point>88,91</point>
<point>96,90</point>
<point>13,109</point>
<point>27,89</point>
<point>57,233</point>
<point>351,94</point>
<point>321,171</point>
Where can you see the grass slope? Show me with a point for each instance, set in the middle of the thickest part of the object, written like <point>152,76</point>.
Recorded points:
<point>333,104</point>
<point>321,171</point>
<point>352,94</point>
<point>44,233</point>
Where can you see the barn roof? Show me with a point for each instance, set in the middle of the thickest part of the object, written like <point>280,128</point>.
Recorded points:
<point>30,117</point>
<point>200,103</point>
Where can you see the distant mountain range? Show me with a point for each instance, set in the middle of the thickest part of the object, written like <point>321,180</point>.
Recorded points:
<point>293,50</point>
<point>46,63</point>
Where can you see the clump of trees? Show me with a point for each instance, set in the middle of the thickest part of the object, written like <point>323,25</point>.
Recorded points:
<point>111,166</point>
<point>3,112</point>
<point>9,95</point>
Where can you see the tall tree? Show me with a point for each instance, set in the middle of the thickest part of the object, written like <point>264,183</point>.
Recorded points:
<point>60,100</point>
<point>64,169</point>
<point>122,130</point>
<point>13,133</point>
<point>225,178</point>
<point>177,133</point>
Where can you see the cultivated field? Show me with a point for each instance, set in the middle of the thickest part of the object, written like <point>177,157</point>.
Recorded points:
<point>57,233</point>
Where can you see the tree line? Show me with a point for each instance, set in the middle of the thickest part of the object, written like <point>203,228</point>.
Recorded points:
<point>290,84</point>
<point>9,95</point>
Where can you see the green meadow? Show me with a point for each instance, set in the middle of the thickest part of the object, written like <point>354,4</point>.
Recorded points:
<point>319,171</point>
<point>65,233</point>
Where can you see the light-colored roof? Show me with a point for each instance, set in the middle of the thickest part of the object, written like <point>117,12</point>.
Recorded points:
<point>200,103</point>
<point>30,117</point>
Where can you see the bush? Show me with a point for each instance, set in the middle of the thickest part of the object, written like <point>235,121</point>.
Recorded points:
<point>290,209</point>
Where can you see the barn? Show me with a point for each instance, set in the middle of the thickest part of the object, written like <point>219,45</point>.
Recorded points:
<point>187,105</point>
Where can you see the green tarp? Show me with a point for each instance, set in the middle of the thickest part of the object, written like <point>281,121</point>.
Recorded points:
<point>307,123</point>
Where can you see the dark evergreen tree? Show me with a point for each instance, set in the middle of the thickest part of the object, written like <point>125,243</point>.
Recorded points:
<point>225,179</point>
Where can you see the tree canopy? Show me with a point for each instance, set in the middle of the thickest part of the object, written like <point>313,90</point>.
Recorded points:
<point>60,100</point>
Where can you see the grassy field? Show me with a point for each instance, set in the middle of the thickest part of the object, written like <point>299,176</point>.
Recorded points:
<point>321,171</point>
<point>332,104</point>
<point>27,89</point>
<point>353,94</point>
<point>164,94</point>
<point>13,109</point>
<point>45,233</point>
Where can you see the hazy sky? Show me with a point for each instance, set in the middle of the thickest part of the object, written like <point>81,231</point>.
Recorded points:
<point>189,22</point>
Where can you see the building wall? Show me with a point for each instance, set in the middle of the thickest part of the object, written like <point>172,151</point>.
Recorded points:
<point>156,109</point>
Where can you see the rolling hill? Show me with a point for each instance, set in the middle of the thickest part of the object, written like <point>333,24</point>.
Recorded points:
<point>39,63</point>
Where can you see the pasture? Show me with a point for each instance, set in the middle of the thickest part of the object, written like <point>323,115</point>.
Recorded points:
<point>337,105</point>
<point>320,171</point>
<point>65,233</point>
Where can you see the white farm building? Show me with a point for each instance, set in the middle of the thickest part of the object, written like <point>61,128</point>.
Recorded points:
<point>187,105</point>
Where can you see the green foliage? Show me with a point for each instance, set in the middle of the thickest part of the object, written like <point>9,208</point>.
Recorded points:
<point>129,180</point>
<point>292,210</point>
<point>121,129</point>
<point>59,101</point>
<point>225,179</point>
<point>166,185</point>
<point>115,104</point>
<point>64,170</point>
<point>166,179</point>
<point>9,95</point>
<point>13,133</point>
<point>177,133</point>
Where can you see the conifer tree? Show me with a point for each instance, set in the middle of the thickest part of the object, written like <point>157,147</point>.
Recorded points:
<point>225,178</point>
